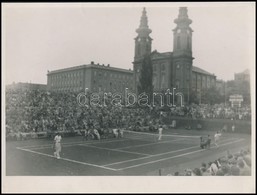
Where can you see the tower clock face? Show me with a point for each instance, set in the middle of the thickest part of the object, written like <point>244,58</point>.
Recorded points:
<point>179,31</point>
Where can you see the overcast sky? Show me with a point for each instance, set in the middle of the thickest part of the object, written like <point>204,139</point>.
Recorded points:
<point>40,37</point>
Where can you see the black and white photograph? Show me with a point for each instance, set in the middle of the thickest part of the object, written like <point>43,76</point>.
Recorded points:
<point>128,97</point>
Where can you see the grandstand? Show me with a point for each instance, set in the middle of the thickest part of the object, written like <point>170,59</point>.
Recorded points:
<point>33,118</point>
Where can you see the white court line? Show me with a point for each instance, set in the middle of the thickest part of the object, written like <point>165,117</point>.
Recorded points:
<point>71,144</point>
<point>116,150</point>
<point>151,144</point>
<point>175,136</point>
<point>66,159</point>
<point>154,155</point>
<point>163,159</point>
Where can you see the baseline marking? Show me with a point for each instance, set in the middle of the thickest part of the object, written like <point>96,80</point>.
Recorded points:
<point>66,159</point>
<point>163,159</point>
<point>70,144</point>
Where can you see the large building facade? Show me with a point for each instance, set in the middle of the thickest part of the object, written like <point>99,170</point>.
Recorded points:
<point>94,77</point>
<point>243,76</point>
<point>172,69</point>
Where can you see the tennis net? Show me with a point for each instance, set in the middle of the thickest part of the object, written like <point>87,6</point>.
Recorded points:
<point>155,136</point>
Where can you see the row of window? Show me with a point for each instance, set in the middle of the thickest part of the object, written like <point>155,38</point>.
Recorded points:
<point>112,75</point>
<point>70,82</point>
<point>67,89</point>
<point>66,75</point>
<point>112,89</point>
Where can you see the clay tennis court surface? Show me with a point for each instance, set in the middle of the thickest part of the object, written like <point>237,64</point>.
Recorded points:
<point>138,155</point>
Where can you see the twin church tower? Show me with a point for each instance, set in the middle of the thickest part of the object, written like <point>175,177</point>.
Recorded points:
<point>170,69</point>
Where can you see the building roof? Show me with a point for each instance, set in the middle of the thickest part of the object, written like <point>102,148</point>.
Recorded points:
<point>156,54</point>
<point>199,70</point>
<point>107,67</point>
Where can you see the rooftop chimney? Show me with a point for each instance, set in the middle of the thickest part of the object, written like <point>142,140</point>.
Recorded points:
<point>92,62</point>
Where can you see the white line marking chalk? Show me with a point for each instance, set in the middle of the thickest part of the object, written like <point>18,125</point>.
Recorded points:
<point>66,159</point>
<point>163,159</point>
<point>154,155</point>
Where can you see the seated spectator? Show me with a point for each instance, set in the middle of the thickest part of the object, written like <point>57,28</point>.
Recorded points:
<point>226,170</point>
<point>197,172</point>
<point>244,169</point>
<point>173,124</point>
<point>176,174</point>
<point>96,134</point>
<point>235,171</point>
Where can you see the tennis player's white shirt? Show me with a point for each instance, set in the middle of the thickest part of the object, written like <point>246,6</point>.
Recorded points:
<point>160,133</point>
<point>115,132</point>
<point>57,138</point>
<point>217,137</point>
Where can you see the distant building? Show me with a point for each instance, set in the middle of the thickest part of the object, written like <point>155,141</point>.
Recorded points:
<point>26,86</point>
<point>172,69</point>
<point>220,86</point>
<point>242,76</point>
<point>95,77</point>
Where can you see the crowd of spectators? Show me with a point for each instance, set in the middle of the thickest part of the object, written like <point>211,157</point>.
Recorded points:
<point>217,111</point>
<point>238,164</point>
<point>42,111</point>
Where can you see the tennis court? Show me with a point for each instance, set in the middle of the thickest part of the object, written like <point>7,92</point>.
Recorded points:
<point>134,154</point>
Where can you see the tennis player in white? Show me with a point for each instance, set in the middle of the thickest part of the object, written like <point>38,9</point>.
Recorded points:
<point>217,138</point>
<point>57,144</point>
<point>160,129</point>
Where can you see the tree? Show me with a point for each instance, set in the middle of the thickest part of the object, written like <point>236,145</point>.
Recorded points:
<point>193,97</point>
<point>212,96</point>
<point>239,87</point>
<point>145,84</point>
